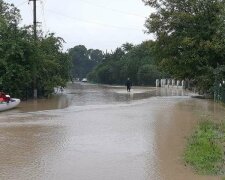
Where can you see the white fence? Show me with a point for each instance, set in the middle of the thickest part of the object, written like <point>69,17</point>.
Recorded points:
<point>170,83</point>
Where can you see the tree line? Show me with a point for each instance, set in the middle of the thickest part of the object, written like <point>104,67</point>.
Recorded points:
<point>136,62</point>
<point>189,44</point>
<point>83,60</point>
<point>190,40</point>
<point>22,58</point>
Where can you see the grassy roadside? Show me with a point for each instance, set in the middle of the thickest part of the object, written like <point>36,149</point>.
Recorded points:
<point>205,149</point>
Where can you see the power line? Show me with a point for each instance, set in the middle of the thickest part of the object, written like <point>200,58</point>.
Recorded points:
<point>97,5</point>
<point>86,21</point>
<point>92,22</point>
<point>112,9</point>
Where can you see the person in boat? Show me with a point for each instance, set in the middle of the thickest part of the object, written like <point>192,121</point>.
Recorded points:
<point>128,84</point>
<point>4,97</point>
<point>7,98</point>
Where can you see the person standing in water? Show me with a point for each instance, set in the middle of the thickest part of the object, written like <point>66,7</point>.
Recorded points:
<point>128,84</point>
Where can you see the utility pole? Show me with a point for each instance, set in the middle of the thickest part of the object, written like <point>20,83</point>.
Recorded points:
<point>35,40</point>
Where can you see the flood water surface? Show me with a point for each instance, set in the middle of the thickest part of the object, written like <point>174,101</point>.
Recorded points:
<point>93,132</point>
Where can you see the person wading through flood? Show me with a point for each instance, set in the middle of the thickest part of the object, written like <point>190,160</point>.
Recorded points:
<point>128,84</point>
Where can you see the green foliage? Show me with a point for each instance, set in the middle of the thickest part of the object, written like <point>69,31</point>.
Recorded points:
<point>204,150</point>
<point>189,38</point>
<point>21,58</point>
<point>147,74</point>
<point>16,79</point>
<point>136,62</point>
<point>83,60</point>
<point>127,47</point>
<point>53,65</point>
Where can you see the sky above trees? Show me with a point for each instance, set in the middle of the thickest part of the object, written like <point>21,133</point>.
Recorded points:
<point>99,24</point>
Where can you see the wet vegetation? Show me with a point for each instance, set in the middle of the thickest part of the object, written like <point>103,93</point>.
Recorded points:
<point>190,39</point>
<point>24,59</point>
<point>189,44</point>
<point>136,62</point>
<point>206,148</point>
<point>84,60</point>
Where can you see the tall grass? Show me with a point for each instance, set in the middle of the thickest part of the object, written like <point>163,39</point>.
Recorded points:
<point>205,151</point>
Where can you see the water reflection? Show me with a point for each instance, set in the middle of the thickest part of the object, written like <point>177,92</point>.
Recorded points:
<point>114,135</point>
<point>27,150</point>
<point>80,94</point>
<point>59,101</point>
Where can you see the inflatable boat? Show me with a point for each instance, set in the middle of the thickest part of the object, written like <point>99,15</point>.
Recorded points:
<point>9,105</point>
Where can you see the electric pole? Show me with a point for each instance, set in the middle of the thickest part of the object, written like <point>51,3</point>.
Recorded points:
<point>35,41</point>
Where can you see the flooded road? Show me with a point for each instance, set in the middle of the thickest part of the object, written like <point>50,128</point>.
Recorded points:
<point>93,132</point>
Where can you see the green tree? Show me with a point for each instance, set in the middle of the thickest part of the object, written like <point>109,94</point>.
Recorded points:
<point>147,74</point>
<point>15,48</point>
<point>95,55</point>
<point>18,53</point>
<point>84,60</point>
<point>127,47</point>
<point>189,37</point>
<point>136,62</point>
<point>53,65</point>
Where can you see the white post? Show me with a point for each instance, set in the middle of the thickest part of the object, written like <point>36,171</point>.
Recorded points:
<point>168,82</point>
<point>163,82</point>
<point>178,83</point>
<point>157,83</point>
<point>173,82</point>
<point>182,84</point>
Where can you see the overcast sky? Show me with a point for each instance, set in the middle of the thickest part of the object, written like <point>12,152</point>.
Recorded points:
<point>97,24</point>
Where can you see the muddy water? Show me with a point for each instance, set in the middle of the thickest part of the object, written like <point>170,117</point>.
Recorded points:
<point>104,133</point>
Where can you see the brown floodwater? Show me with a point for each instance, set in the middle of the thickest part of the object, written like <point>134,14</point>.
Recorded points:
<point>93,132</point>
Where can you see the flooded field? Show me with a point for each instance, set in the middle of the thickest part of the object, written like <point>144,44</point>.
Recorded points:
<point>93,132</point>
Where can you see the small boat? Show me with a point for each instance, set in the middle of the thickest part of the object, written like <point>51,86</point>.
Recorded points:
<point>9,105</point>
